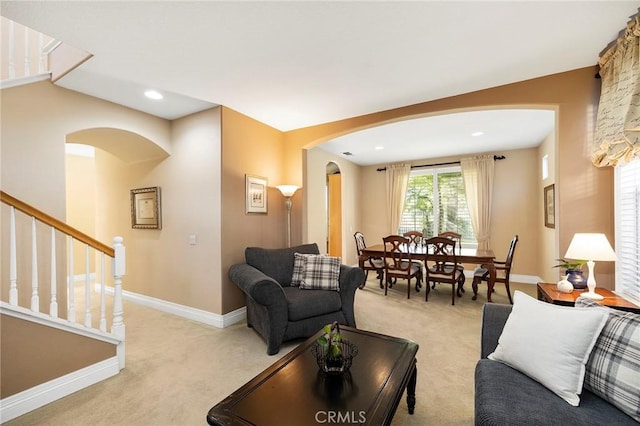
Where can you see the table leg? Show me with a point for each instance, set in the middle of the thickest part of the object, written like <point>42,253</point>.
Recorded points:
<point>411,390</point>
<point>491,281</point>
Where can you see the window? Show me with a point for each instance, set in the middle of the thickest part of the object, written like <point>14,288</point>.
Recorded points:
<point>627,210</point>
<point>436,203</point>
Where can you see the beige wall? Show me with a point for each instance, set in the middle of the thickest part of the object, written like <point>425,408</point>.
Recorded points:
<point>584,193</point>
<point>161,263</point>
<point>33,354</point>
<point>250,147</point>
<point>547,236</point>
<point>81,206</point>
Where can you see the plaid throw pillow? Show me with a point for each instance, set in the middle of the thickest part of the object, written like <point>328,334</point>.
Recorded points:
<point>613,369</point>
<point>299,268</point>
<point>321,273</point>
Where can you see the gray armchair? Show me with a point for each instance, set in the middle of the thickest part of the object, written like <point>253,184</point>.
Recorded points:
<point>280,312</point>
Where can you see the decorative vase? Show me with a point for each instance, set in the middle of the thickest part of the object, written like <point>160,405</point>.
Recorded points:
<point>576,278</point>
<point>564,285</point>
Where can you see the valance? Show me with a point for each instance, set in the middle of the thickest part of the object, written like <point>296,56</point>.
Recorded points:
<point>617,134</point>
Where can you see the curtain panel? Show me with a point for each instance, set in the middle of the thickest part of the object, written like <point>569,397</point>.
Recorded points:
<point>617,134</point>
<point>477,173</point>
<point>396,186</point>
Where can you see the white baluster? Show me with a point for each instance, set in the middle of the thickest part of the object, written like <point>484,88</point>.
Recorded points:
<point>103,305</point>
<point>35,300</point>
<point>11,53</point>
<point>42,63</point>
<point>71,308</point>
<point>13,266</point>
<point>118,268</point>
<point>27,56</point>
<point>87,289</point>
<point>53,308</point>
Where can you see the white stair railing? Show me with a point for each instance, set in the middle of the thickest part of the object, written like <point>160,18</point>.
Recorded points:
<point>117,253</point>
<point>27,51</point>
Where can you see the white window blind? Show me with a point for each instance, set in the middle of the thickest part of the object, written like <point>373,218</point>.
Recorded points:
<point>627,211</point>
<point>435,203</point>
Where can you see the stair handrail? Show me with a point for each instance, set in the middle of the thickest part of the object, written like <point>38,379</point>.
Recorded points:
<point>56,223</point>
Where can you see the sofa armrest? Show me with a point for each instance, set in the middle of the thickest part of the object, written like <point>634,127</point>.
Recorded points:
<point>257,285</point>
<point>494,317</point>
<point>351,278</point>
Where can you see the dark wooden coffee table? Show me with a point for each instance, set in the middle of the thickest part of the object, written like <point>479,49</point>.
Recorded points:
<point>294,392</point>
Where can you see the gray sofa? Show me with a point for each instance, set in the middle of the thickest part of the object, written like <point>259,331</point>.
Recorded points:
<point>280,312</point>
<point>504,396</point>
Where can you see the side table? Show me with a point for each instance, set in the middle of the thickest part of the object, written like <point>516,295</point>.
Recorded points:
<point>548,292</point>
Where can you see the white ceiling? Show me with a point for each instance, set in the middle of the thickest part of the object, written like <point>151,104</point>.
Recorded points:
<point>294,64</point>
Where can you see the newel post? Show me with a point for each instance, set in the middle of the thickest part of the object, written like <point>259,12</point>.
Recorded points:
<point>118,268</point>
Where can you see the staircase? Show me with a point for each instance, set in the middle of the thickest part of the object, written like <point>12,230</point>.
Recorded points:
<point>56,336</point>
<point>29,56</point>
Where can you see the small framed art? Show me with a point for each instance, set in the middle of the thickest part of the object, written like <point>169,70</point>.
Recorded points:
<point>549,206</point>
<point>145,208</point>
<point>256,194</point>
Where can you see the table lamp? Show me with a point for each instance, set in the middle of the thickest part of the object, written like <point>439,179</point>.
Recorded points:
<point>591,247</point>
<point>288,191</point>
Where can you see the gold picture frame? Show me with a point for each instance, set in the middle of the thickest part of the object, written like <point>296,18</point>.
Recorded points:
<point>256,194</point>
<point>550,206</point>
<point>145,208</point>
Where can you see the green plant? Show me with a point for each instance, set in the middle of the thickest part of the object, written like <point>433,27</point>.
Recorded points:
<point>568,264</point>
<point>330,340</point>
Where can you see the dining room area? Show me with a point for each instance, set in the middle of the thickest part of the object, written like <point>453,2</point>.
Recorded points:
<point>516,210</point>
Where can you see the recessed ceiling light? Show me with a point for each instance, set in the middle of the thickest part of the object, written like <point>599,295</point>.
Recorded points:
<point>379,148</point>
<point>153,94</point>
<point>477,133</point>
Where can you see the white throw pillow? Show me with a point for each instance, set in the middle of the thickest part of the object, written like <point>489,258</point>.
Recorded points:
<point>550,343</point>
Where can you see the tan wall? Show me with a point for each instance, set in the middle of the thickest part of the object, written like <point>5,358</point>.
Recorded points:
<point>81,206</point>
<point>548,237</point>
<point>33,354</point>
<point>584,193</point>
<point>161,263</point>
<point>250,147</point>
<point>315,220</point>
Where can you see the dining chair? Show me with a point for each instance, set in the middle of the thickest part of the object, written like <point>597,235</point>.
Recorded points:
<point>458,248</point>
<point>443,266</point>
<point>503,272</point>
<point>416,241</point>
<point>368,263</point>
<point>398,263</point>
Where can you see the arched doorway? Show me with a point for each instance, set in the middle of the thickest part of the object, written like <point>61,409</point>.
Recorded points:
<point>334,210</point>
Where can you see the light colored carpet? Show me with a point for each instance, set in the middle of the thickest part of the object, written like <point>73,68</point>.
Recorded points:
<point>178,369</point>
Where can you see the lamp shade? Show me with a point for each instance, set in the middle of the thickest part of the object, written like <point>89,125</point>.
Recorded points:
<point>288,190</point>
<point>590,247</point>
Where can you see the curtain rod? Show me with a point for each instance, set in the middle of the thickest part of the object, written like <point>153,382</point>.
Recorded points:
<point>495,157</point>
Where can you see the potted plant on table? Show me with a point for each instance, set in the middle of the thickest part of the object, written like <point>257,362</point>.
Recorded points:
<point>573,271</point>
<point>333,353</point>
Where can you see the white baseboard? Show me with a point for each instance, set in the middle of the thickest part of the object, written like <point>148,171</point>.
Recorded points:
<point>41,395</point>
<point>206,317</point>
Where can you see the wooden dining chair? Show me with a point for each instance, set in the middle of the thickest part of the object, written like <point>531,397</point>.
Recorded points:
<point>443,265</point>
<point>458,249</point>
<point>416,242</point>
<point>368,263</point>
<point>503,271</point>
<point>399,264</point>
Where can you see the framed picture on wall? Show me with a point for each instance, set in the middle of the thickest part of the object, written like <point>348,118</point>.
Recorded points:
<point>145,208</point>
<point>549,207</point>
<point>256,194</point>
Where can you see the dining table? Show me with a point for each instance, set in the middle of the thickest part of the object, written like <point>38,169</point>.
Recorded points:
<point>476,256</point>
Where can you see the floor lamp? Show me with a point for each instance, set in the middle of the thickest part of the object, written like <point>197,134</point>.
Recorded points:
<point>591,247</point>
<point>287,192</point>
